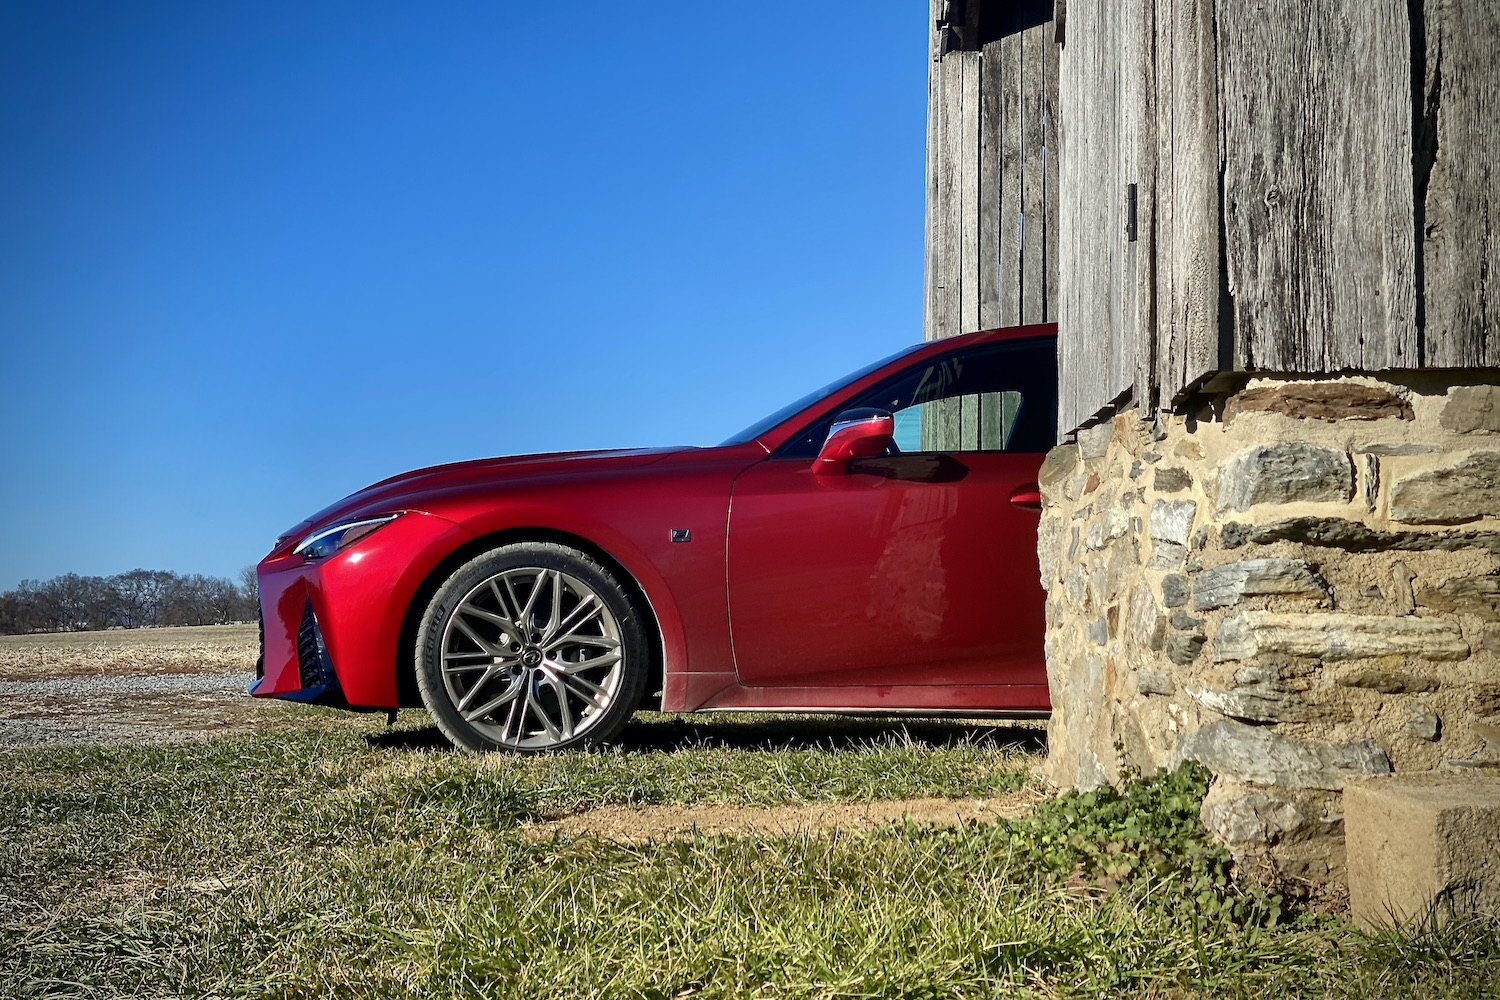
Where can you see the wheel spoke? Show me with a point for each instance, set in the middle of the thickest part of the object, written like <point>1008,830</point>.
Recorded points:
<point>515,601</point>
<point>559,688</point>
<point>602,660</point>
<point>536,591</point>
<point>535,705</point>
<point>466,668</point>
<point>602,641</point>
<point>506,625</point>
<point>587,610</point>
<point>478,685</point>
<point>557,594</point>
<point>484,644</point>
<point>592,694</point>
<point>517,708</point>
<point>490,706</point>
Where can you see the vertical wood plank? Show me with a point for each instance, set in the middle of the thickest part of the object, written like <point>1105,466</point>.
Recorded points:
<point>1317,185</point>
<point>1050,248</point>
<point>1461,210</point>
<point>1034,44</point>
<point>991,126</point>
<point>1095,357</point>
<point>969,422</point>
<point>968,169</point>
<point>1187,200</point>
<point>1012,160</point>
<point>1140,69</point>
<point>1127,53</point>
<point>929,221</point>
<point>949,225</point>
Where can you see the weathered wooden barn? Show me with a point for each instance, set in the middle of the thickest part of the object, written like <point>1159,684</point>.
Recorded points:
<point>1270,233</point>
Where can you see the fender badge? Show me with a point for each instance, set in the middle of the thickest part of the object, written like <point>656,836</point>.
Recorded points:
<point>682,535</point>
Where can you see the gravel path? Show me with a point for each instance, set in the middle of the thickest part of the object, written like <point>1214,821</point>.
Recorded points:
<point>126,709</point>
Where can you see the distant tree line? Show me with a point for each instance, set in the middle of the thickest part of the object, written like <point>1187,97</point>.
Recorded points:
<point>141,598</point>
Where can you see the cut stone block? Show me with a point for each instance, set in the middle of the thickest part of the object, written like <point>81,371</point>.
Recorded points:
<point>1320,401</point>
<point>1255,755</point>
<point>1093,441</point>
<point>1479,595</point>
<point>1265,701</point>
<point>1172,480</point>
<point>1284,473</point>
<point>1174,590</point>
<point>1172,520</point>
<point>1334,636</point>
<point>1389,682</point>
<point>1472,408</point>
<point>1338,533</point>
<point>1184,649</point>
<point>1464,491</point>
<point>1422,845</point>
<point>1227,585</point>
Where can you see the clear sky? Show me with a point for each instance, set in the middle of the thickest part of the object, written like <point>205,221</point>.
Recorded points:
<point>257,255</point>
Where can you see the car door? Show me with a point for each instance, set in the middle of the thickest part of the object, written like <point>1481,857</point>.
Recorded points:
<point>918,567</point>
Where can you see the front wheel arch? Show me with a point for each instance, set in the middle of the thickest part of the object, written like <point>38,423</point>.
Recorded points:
<point>407,694</point>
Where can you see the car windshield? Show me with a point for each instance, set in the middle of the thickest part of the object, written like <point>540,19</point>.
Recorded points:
<point>758,428</point>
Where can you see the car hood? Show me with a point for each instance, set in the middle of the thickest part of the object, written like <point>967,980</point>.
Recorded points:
<point>407,490</point>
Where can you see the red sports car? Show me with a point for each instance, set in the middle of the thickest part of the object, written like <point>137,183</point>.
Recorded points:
<point>870,548</point>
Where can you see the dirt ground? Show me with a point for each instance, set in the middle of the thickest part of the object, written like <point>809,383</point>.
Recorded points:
<point>197,649</point>
<point>126,686</point>
<point>626,824</point>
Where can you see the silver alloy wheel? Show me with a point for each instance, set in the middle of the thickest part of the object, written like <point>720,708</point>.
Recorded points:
<point>532,658</point>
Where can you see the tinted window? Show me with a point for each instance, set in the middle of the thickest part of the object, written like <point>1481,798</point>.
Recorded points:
<point>997,397</point>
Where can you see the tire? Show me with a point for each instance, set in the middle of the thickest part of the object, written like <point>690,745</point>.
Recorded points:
<point>568,679</point>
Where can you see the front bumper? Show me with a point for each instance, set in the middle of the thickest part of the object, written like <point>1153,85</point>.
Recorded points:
<point>332,627</point>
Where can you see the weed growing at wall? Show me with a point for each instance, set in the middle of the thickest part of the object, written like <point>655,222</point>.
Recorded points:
<point>1147,838</point>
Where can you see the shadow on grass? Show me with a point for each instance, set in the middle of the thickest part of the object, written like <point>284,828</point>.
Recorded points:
<point>651,732</point>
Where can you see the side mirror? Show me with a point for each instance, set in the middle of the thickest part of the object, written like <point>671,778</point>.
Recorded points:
<point>862,433</point>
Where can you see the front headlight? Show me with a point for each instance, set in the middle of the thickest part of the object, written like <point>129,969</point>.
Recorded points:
<point>326,541</point>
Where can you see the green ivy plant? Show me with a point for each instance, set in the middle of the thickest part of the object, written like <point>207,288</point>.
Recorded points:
<point>1147,838</point>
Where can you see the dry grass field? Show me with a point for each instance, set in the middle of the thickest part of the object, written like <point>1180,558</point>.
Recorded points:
<point>196,649</point>
<point>128,686</point>
<point>163,834</point>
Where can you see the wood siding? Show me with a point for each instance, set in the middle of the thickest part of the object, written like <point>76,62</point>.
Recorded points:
<point>1318,184</point>
<point>1458,138</point>
<point>1294,212</point>
<point>992,186</point>
<point>1183,347</point>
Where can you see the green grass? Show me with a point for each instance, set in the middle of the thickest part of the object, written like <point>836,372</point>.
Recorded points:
<point>350,861</point>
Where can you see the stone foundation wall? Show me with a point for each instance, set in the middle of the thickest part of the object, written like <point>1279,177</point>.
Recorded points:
<point>1298,584</point>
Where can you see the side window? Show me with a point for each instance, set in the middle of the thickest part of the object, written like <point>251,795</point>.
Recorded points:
<point>975,421</point>
<point>994,397</point>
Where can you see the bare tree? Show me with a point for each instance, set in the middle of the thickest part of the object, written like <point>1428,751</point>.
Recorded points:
<point>136,599</point>
<point>143,594</point>
<point>249,608</point>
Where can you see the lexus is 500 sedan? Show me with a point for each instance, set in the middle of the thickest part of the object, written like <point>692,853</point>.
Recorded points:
<point>870,548</point>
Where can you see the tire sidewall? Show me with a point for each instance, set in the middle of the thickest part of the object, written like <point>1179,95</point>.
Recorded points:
<point>529,555</point>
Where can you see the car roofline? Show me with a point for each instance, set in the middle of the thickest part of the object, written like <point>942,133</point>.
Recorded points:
<point>778,435</point>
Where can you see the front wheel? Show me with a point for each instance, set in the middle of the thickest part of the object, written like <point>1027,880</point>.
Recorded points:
<point>528,648</point>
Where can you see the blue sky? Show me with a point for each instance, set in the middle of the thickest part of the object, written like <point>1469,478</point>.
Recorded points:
<point>254,256</point>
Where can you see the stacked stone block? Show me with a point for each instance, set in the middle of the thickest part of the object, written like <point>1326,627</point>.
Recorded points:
<point>1297,584</point>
